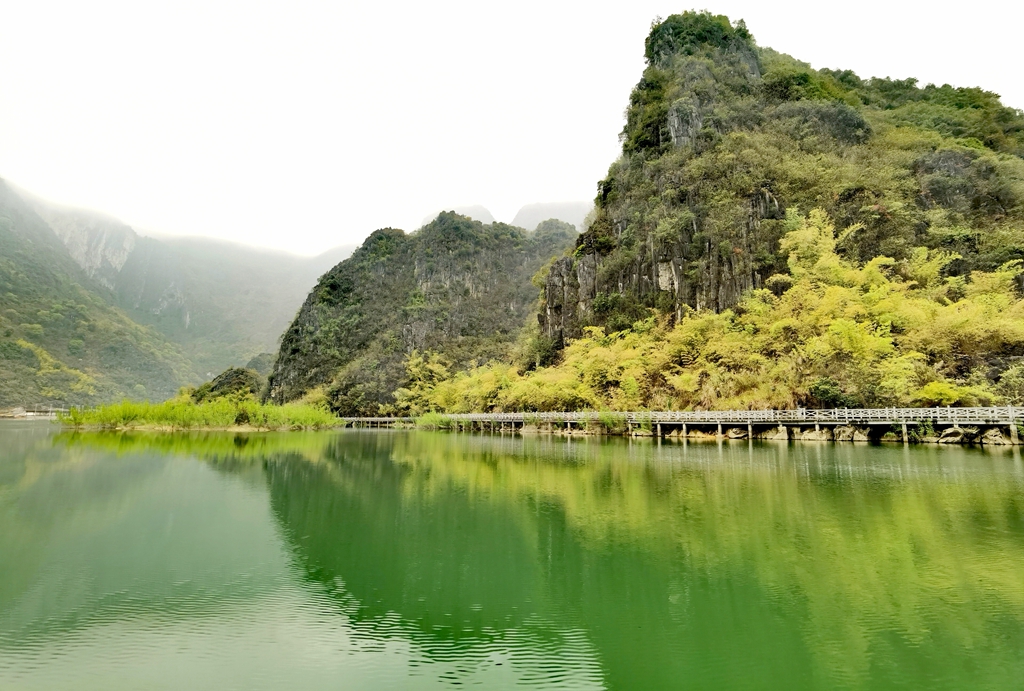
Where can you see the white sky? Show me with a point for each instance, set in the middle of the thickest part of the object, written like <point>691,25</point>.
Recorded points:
<point>305,125</point>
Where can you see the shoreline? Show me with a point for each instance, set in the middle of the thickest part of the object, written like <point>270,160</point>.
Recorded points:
<point>171,428</point>
<point>968,437</point>
<point>987,426</point>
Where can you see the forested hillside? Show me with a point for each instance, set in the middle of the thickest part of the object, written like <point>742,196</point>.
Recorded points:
<point>91,312</point>
<point>771,235</point>
<point>61,342</point>
<point>778,236</point>
<point>221,302</point>
<point>456,287</point>
<point>723,137</point>
<point>829,333</point>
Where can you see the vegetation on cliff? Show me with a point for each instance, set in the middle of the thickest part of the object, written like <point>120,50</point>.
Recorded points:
<point>698,282</point>
<point>234,381</point>
<point>830,333</point>
<point>220,302</point>
<point>722,137</point>
<point>61,341</point>
<point>455,287</point>
<point>710,273</point>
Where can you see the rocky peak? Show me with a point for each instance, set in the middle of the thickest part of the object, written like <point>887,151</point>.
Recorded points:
<point>722,137</point>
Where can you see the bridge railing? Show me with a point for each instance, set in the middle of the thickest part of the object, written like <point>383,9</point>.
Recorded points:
<point>834,416</point>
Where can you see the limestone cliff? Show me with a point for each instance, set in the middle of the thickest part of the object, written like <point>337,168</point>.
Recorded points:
<point>723,138</point>
<point>222,302</point>
<point>456,286</point>
<point>62,341</point>
<point>99,244</point>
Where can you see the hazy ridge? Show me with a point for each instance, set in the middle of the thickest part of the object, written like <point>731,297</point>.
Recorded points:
<point>193,306</point>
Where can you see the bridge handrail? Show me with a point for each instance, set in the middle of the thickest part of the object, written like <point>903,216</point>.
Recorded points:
<point>991,415</point>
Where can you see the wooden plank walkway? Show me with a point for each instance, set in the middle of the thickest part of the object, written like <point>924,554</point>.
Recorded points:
<point>40,411</point>
<point>990,416</point>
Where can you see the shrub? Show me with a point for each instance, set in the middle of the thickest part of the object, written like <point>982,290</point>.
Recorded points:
<point>840,334</point>
<point>612,423</point>
<point>433,421</point>
<point>183,414</point>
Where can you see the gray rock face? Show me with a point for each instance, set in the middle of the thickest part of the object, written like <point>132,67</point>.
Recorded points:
<point>994,437</point>
<point>850,433</point>
<point>958,435</point>
<point>662,273</point>
<point>99,244</point>
<point>569,294</point>
<point>823,434</point>
<point>780,433</point>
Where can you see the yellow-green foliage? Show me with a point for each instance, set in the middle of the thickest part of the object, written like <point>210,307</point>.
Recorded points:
<point>879,334</point>
<point>62,343</point>
<point>433,421</point>
<point>54,376</point>
<point>182,413</point>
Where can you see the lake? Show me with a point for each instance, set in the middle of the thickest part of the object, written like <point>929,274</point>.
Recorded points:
<point>431,560</point>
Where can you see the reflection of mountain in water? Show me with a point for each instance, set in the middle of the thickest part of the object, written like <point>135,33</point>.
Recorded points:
<point>461,576</point>
<point>628,565</point>
<point>730,567</point>
<point>463,567</point>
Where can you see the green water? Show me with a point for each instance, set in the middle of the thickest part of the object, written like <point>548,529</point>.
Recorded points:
<point>395,560</point>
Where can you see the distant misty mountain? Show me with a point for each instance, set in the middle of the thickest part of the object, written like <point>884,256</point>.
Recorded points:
<point>192,306</point>
<point>529,216</point>
<point>221,301</point>
<point>62,338</point>
<point>574,213</point>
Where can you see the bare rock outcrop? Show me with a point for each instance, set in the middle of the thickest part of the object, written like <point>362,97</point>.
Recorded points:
<point>958,435</point>
<point>994,437</point>
<point>850,433</point>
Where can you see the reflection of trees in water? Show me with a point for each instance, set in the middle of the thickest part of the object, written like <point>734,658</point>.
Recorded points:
<point>735,565</point>
<point>464,572</point>
<point>460,578</point>
<point>47,489</point>
<point>668,558</point>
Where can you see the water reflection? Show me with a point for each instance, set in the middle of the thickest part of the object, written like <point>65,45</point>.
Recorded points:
<point>507,561</point>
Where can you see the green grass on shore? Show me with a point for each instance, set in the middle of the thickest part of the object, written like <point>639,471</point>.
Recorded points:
<point>182,413</point>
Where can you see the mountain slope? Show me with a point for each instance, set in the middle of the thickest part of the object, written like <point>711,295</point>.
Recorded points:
<point>723,138</point>
<point>222,302</point>
<point>235,301</point>
<point>61,342</point>
<point>456,287</point>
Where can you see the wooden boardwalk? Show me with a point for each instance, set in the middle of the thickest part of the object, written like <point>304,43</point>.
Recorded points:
<point>39,412</point>
<point>669,421</point>
<point>797,416</point>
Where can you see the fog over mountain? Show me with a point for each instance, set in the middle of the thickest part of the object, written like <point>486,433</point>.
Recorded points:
<point>529,216</point>
<point>157,313</point>
<point>573,213</point>
<point>251,123</point>
<point>174,310</point>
